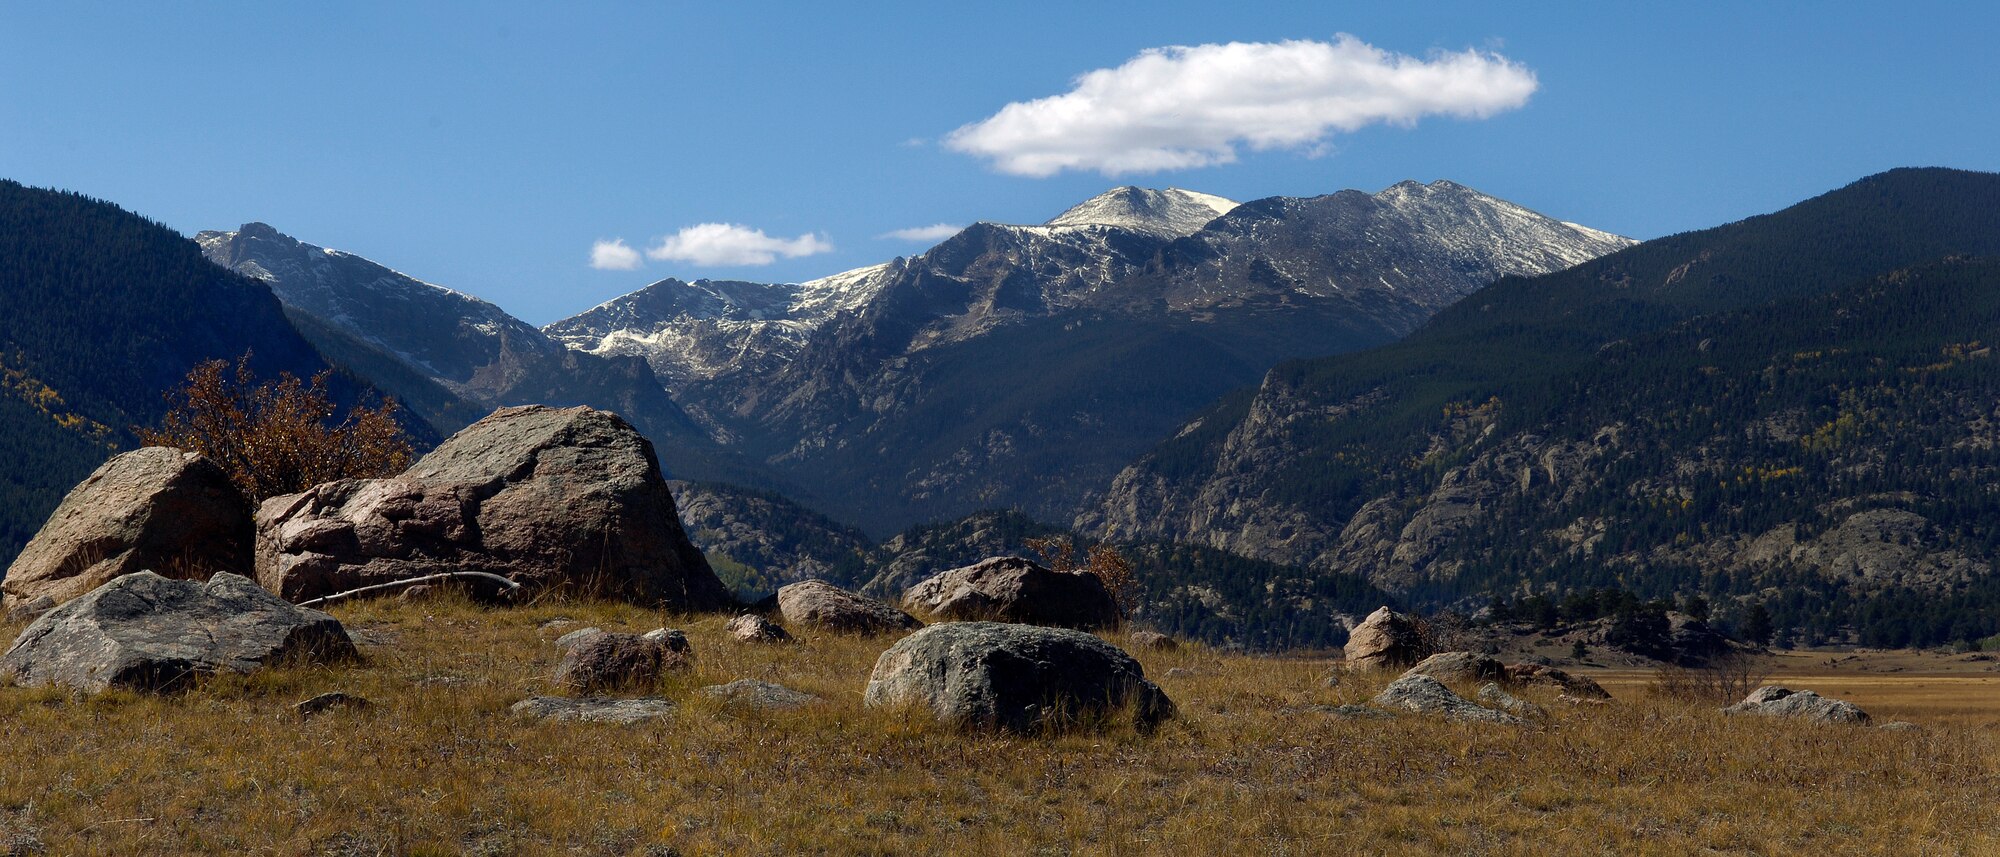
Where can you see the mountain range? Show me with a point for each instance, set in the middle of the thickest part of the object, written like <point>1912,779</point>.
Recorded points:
<point>1021,366</point>
<point>1797,409</point>
<point>1284,410</point>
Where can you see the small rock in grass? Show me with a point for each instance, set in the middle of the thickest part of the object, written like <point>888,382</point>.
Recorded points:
<point>1491,694</point>
<point>822,605</point>
<point>1425,695</point>
<point>752,628</point>
<point>606,661</point>
<point>329,701</point>
<point>1775,701</point>
<point>674,639</point>
<point>595,709</point>
<point>751,693</point>
<point>1154,641</point>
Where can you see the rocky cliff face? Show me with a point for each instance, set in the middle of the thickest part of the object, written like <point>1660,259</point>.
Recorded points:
<point>1021,365</point>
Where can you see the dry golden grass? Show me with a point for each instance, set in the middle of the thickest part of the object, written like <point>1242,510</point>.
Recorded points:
<point>439,766</point>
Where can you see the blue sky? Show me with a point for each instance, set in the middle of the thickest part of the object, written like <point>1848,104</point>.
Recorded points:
<point>488,146</point>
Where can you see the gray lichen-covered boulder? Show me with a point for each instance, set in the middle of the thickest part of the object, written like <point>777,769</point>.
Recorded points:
<point>567,498</point>
<point>1384,640</point>
<point>1012,589</point>
<point>609,661</point>
<point>149,633</point>
<point>1017,677</point>
<point>155,509</point>
<point>1460,667</point>
<point>1775,701</point>
<point>1425,695</point>
<point>819,604</point>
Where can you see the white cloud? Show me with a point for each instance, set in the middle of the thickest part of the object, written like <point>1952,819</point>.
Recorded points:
<point>712,244</point>
<point>934,232</point>
<point>1181,107</point>
<point>613,255</point>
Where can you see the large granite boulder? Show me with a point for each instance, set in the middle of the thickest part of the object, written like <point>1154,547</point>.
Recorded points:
<point>1384,640</point>
<point>1011,589</point>
<point>1425,695</point>
<point>819,604</point>
<point>1775,701</point>
<point>1016,677</point>
<point>149,633</point>
<point>155,509</point>
<point>566,498</point>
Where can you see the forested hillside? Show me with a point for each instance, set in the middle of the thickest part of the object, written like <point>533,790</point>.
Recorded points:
<point>101,313</point>
<point>1798,410</point>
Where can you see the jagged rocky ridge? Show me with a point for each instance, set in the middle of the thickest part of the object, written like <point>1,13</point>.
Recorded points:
<point>1795,409</point>
<point>1022,365</point>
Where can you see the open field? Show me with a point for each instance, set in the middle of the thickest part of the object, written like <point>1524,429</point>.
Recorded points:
<point>439,766</point>
<point>1924,687</point>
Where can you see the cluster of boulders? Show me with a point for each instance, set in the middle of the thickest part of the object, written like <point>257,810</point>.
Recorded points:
<point>147,578</point>
<point>555,498</point>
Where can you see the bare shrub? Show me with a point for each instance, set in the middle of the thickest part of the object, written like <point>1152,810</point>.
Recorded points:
<point>1722,680</point>
<point>278,437</point>
<point>1447,632</point>
<point>1103,560</point>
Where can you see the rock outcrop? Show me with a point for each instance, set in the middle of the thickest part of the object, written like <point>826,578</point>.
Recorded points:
<point>1775,701</point>
<point>566,498</point>
<point>1384,640</point>
<point>1425,695</point>
<point>1021,678</point>
<point>1012,589</point>
<point>145,632</point>
<point>819,604</point>
<point>155,509</point>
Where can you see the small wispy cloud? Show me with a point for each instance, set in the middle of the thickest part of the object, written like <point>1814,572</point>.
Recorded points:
<point>720,244</point>
<point>614,255</point>
<point>933,232</point>
<point>1182,107</point>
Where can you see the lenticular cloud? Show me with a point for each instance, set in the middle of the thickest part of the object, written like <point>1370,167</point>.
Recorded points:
<point>1181,107</point>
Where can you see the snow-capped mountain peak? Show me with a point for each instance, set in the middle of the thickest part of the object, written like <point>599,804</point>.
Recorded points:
<point>1169,213</point>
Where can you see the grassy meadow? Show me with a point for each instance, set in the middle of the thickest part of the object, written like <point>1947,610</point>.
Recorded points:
<point>438,765</point>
